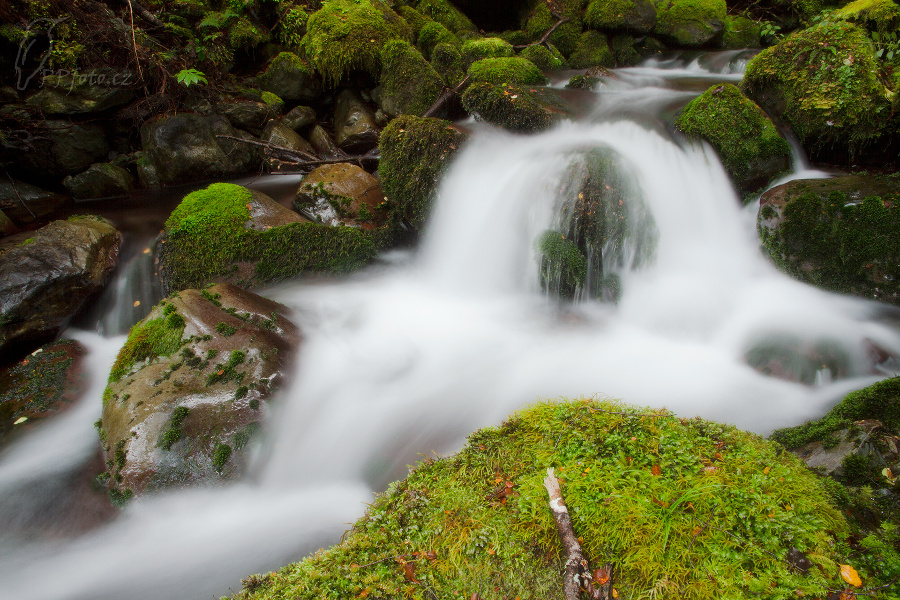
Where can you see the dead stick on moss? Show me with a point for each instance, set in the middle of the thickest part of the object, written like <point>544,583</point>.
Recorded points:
<point>545,36</point>
<point>445,97</point>
<point>577,574</point>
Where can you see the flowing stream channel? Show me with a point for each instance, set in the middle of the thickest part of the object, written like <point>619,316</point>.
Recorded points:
<point>405,359</point>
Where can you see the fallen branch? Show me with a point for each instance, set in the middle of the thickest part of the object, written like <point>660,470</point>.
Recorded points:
<point>293,156</point>
<point>146,14</point>
<point>546,35</point>
<point>446,96</point>
<point>577,574</point>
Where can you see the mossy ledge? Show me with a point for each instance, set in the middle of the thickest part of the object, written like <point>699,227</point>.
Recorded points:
<point>688,507</point>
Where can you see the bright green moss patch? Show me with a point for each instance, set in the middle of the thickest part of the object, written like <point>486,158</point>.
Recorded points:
<point>824,82</point>
<point>447,15</point>
<point>348,34</point>
<point>415,152</point>
<point>638,16</point>
<point>545,59</point>
<point>565,37</point>
<point>448,62</point>
<point>148,340</point>
<point>563,267</point>
<point>510,106</point>
<point>593,51</point>
<point>879,401</point>
<point>206,239</point>
<point>220,456</point>
<point>509,70</point>
<point>690,22</point>
<point>432,34</point>
<point>876,15</point>
<point>748,143</point>
<point>686,507</point>
<point>741,32</point>
<point>491,47</point>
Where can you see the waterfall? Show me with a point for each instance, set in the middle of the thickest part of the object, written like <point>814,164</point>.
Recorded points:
<point>407,358</point>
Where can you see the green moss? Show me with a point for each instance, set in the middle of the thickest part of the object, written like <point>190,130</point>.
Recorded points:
<point>414,18</point>
<point>545,59</point>
<point>740,132</point>
<point>592,51</point>
<point>638,16</point>
<point>565,37</point>
<point>415,152</point>
<point>741,32</point>
<point>175,429</point>
<point>272,100</point>
<point>244,35</point>
<point>879,401</point>
<point>448,62</point>
<point>205,238</point>
<point>223,373</point>
<point>492,47</point>
<point>690,22</point>
<point>220,456</point>
<point>824,82</point>
<point>510,70</point>
<point>509,106</point>
<point>225,329</point>
<point>685,508</point>
<point>563,267</point>
<point>448,15</point>
<point>410,85</point>
<point>432,34</point>
<point>347,35</point>
<point>882,16</point>
<point>148,340</point>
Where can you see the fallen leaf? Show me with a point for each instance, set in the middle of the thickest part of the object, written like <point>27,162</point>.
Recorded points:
<point>601,576</point>
<point>615,593</point>
<point>409,570</point>
<point>850,575</point>
<point>656,470</point>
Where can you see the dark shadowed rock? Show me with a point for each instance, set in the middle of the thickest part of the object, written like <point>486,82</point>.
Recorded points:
<point>355,130</point>
<point>24,203</point>
<point>101,180</point>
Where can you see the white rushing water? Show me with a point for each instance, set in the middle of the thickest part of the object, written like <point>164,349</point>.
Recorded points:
<point>410,356</point>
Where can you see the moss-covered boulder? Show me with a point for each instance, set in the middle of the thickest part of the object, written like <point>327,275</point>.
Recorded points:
<point>355,128</point>
<point>684,507</point>
<point>101,180</point>
<point>347,35</point>
<point>432,34</point>
<point>40,385</point>
<point>592,51</point>
<point>882,16</point>
<point>840,234</point>
<point>47,276</point>
<point>229,234</point>
<point>689,23</point>
<point>189,389</point>
<point>290,78</point>
<point>510,70</point>
<point>448,62</point>
<point>413,18</point>
<point>750,146</point>
<point>741,32</point>
<point>637,16</point>
<point>540,20</point>
<point>823,81</point>
<point>342,194</point>
<point>415,153</point>
<point>480,48</point>
<point>512,107</point>
<point>445,13</point>
<point>409,84</point>
<point>186,147</point>
<point>545,59</point>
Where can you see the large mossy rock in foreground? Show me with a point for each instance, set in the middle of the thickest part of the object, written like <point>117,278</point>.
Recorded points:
<point>841,234</point>
<point>823,81</point>
<point>188,389</point>
<point>46,276</point>
<point>749,144</point>
<point>228,233</point>
<point>695,508</point>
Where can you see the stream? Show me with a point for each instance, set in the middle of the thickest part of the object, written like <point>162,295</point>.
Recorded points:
<point>402,361</point>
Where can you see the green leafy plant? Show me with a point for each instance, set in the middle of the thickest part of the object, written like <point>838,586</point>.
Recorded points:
<point>887,44</point>
<point>188,77</point>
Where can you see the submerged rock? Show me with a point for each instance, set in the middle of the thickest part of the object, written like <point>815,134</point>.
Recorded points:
<point>47,275</point>
<point>840,234</point>
<point>226,233</point>
<point>189,389</point>
<point>750,146</point>
<point>342,194</point>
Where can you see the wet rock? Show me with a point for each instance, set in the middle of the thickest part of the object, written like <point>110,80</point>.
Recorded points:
<point>7,227</point>
<point>62,148</point>
<point>341,194</point>
<point>847,454</point>
<point>299,117</point>
<point>101,180</point>
<point>190,389</point>
<point>791,358</point>
<point>227,233</point>
<point>278,134</point>
<point>24,203</point>
<point>290,78</point>
<point>839,234</point>
<point>91,92</point>
<point>42,384</point>
<point>47,275</point>
<point>355,130</point>
<point>323,143</point>
<point>184,147</point>
<point>248,115</point>
<point>512,107</point>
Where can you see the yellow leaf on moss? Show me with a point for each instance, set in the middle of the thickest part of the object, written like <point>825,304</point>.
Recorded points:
<point>850,575</point>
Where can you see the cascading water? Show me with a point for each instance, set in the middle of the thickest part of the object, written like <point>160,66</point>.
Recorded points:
<point>410,356</point>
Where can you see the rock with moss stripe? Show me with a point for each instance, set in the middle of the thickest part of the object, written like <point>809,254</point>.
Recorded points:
<point>190,388</point>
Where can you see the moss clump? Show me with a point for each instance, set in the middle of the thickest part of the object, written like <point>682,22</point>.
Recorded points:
<point>693,508</point>
<point>837,241</point>
<point>882,16</point>
<point>448,62</point>
<point>410,85</point>
<point>690,22</point>
<point>565,37</point>
<point>433,34</point>
<point>447,15</point>
<point>223,373</point>
<point>741,32</point>
<point>220,456</point>
<point>347,35</point>
<point>563,267</point>
<point>749,144</point>
<point>879,401</point>
<point>510,70</point>
<point>638,16</point>
<point>492,47</point>
<point>206,237</point>
<point>592,51</point>
<point>509,106</point>
<point>824,82</point>
<point>226,330</point>
<point>415,152</point>
<point>545,59</point>
<point>147,340</point>
<point>414,18</point>
<point>175,429</point>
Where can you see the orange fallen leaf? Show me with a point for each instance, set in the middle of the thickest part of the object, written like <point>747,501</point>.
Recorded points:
<point>601,576</point>
<point>656,470</point>
<point>850,575</point>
